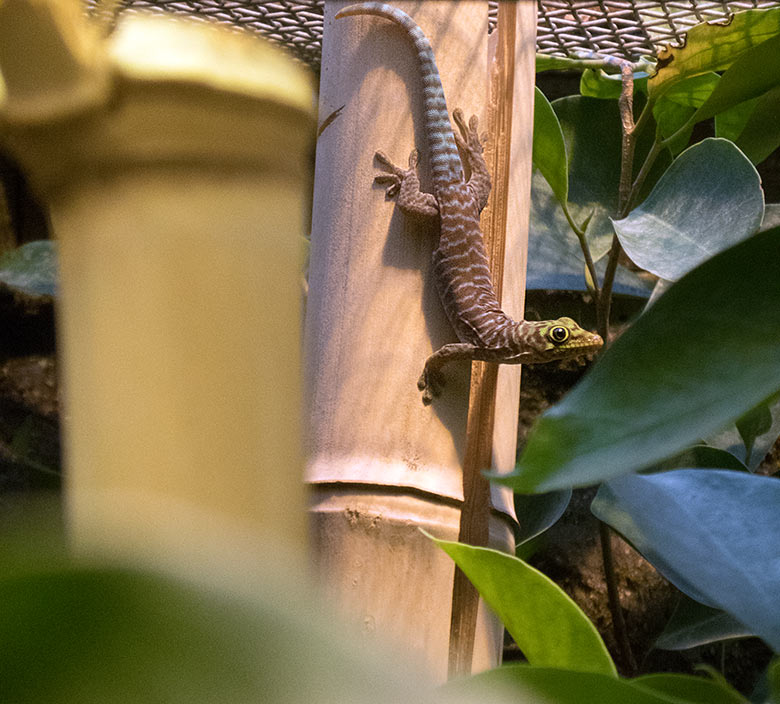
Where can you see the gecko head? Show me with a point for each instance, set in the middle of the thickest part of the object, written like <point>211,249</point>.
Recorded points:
<point>548,340</point>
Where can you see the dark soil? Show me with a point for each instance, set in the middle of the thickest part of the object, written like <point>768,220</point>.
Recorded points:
<point>29,402</point>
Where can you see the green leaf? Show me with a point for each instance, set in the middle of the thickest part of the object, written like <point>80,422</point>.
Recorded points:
<point>595,83</point>
<point>693,624</point>
<point>731,440</point>
<point>666,382</point>
<point>669,119</point>
<point>713,47</point>
<point>730,123</point>
<point>555,258</point>
<point>676,107</point>
<point>546,624</point>
<point>701,456</point>
<point>761,134</point>
<point>752,74</point>
<point>537,512</point>
<point>709,199</point>
<point>537,685</point>
<point>690,689</point>
<point>712,533</point>
<point>549,151</point>
<point>754,423</point>
<point>547,62</point>
<point>771,216</point>
<point>594,164</point>
<point>773,675</point>
<point>31,268</point>
<point>693,92</point>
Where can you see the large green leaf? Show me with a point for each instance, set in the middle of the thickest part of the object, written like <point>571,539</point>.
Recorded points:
<point>693,624</point>
<point>705,353</point>
<point>537,685</point>
<point>709,199</point>
<point>594,164</point>
<point>592,135</point>
<point>712,533</point>
<point>713,47</point>
<point>549,627</point>
<point>754,73</point>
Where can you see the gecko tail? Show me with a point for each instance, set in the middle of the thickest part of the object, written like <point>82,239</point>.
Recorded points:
<point>445,159</point>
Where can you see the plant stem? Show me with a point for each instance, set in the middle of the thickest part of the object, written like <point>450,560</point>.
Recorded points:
<point>625,192</point>
<point>604,301</point>
<point>626,104</point>
<point>590,266</point>
<point>618,621</point>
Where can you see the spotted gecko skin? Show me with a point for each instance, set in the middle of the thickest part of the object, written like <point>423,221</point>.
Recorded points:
<point>460,264</point>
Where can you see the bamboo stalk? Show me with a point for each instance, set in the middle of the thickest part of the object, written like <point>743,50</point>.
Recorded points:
<point>381,463</point>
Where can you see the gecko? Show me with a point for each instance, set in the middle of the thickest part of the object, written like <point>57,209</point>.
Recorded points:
<point>460,264</point>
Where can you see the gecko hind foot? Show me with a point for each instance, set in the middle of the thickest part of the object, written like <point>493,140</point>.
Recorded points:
<point>469,138</point>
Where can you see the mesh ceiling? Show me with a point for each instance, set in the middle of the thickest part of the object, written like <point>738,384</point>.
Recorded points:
<point>620,28</point>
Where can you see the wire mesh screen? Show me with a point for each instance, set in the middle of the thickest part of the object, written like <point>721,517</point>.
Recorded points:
<point>625,28</point>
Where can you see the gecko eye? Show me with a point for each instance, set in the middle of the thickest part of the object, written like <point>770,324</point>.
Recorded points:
<point>559,334</point>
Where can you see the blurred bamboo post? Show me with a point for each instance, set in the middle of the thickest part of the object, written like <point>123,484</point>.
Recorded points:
<point>172,158</point>
<point>381,465</point>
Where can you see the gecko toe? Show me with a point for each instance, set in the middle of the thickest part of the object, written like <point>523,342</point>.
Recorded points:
<point>431,384</point>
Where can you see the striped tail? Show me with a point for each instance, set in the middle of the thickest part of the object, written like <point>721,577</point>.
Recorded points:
<point>445,160</point>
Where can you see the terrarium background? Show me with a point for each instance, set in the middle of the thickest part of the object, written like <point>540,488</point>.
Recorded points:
<point>29,396</point>
<point>626,29</point>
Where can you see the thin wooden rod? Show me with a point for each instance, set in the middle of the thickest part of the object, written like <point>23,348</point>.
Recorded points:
<point>475,514</point>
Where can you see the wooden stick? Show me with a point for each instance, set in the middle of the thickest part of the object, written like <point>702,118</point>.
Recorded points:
<point>475,514</point>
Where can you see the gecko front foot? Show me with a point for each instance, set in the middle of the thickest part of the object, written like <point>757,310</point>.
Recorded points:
<point>431,384</point>
<point>395,175</point>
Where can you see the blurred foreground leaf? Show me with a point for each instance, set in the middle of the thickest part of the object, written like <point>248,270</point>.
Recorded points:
<point>98,634</point>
